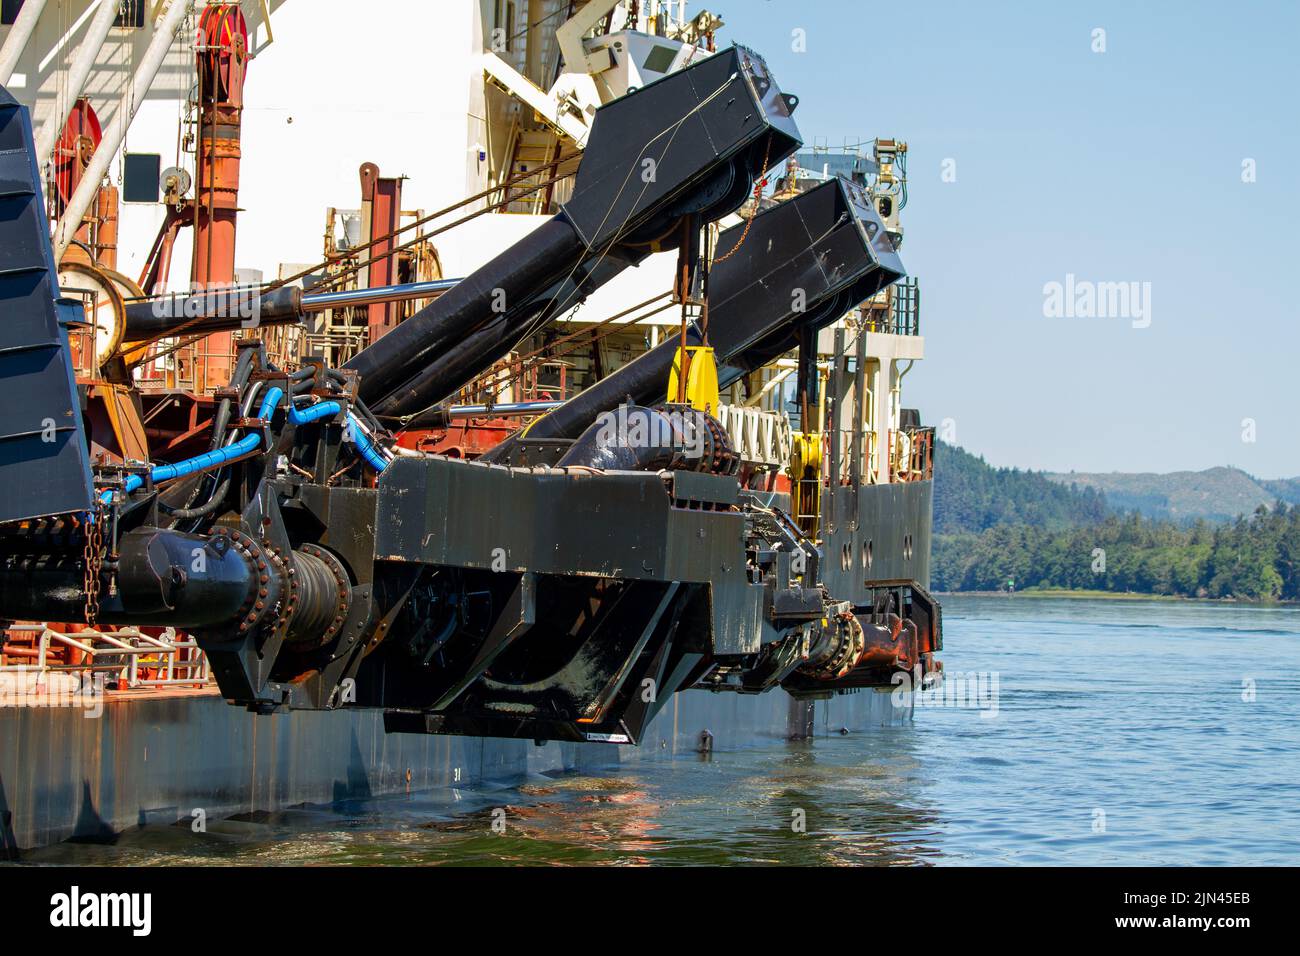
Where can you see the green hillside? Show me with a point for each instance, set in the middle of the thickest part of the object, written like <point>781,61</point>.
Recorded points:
<point>1218,533</point>
<point>1287,489</point>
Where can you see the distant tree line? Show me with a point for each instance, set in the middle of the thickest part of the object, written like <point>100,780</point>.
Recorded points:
<point>1003,528</point>
<point>1255,558</point>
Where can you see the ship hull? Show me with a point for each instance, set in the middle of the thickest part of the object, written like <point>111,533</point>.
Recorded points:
<point>164,760</point>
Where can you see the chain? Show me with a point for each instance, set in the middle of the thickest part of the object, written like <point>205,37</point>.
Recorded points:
<point>758,197</point>
<point>94,556</point>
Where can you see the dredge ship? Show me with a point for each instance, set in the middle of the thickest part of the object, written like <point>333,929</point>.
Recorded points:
<point>579,440</point>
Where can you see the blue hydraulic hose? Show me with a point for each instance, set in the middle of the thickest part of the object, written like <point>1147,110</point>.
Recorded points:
<point>224,455</point>
<point>313,413</point>
<point>208,460</point>
<point>366,446</point>
<point>358,438</point>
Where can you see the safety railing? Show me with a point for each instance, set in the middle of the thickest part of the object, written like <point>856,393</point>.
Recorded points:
<point>337,345</point>
<point>895,310</point>
<point>912,455</point>
<point>138,659</point>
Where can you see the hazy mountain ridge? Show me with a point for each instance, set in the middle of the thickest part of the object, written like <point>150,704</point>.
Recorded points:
<point>1216,494</point>
<point>1288,489</point>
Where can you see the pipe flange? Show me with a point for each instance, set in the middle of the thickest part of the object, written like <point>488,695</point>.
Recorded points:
<point>242,545</point>
<point>271,578</point>
<point>838,649</point>
<point>725,461</point>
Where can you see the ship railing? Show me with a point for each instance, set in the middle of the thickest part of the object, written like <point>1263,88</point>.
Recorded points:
<point>759,437</point>
<point>139,659</point>
<point>912,455</point>
<point>338,344</point>
<point>865,472</point>
<point>895,310</point>
<point>515,379</point>
<point>910,450</point>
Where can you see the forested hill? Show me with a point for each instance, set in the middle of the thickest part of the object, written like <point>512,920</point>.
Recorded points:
<point>1002,528</point>
<point>970,495</point>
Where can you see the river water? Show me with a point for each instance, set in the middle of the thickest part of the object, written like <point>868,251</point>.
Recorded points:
<point>1124,732</point>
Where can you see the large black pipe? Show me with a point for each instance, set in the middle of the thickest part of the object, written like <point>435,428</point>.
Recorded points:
<point>502,293</point>
<point>229,309</point>
<point>636,438</point>
<point>644,380</point>
<point>470,355</point>
<point>720,194</point>
<point>690,144</point>
<point>222,310</point>
<point>802,265</point>
<point>164,578</point>
<point>167,578</point>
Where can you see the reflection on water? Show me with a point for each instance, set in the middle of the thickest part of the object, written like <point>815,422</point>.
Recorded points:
<point>862,799</point>
<point>1126,734</point>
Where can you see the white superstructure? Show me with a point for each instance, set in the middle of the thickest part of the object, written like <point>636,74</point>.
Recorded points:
<point>331,85</point>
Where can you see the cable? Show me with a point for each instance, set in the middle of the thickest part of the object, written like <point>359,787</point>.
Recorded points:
<point>514,180</point>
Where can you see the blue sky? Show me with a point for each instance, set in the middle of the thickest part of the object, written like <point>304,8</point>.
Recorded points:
<point>1122,166</point>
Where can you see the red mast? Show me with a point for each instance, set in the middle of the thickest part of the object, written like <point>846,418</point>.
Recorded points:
<point>222,60</point>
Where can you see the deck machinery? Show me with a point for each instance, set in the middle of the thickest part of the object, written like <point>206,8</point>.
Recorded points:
<point>562,588</point>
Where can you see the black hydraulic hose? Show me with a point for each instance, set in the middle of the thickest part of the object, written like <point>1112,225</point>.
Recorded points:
<point>220,421</point>
<point>243,368</point>
<point>358,405</point>
<point>370,418</point>
<point>215,500</point>
<point>218,496</point>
